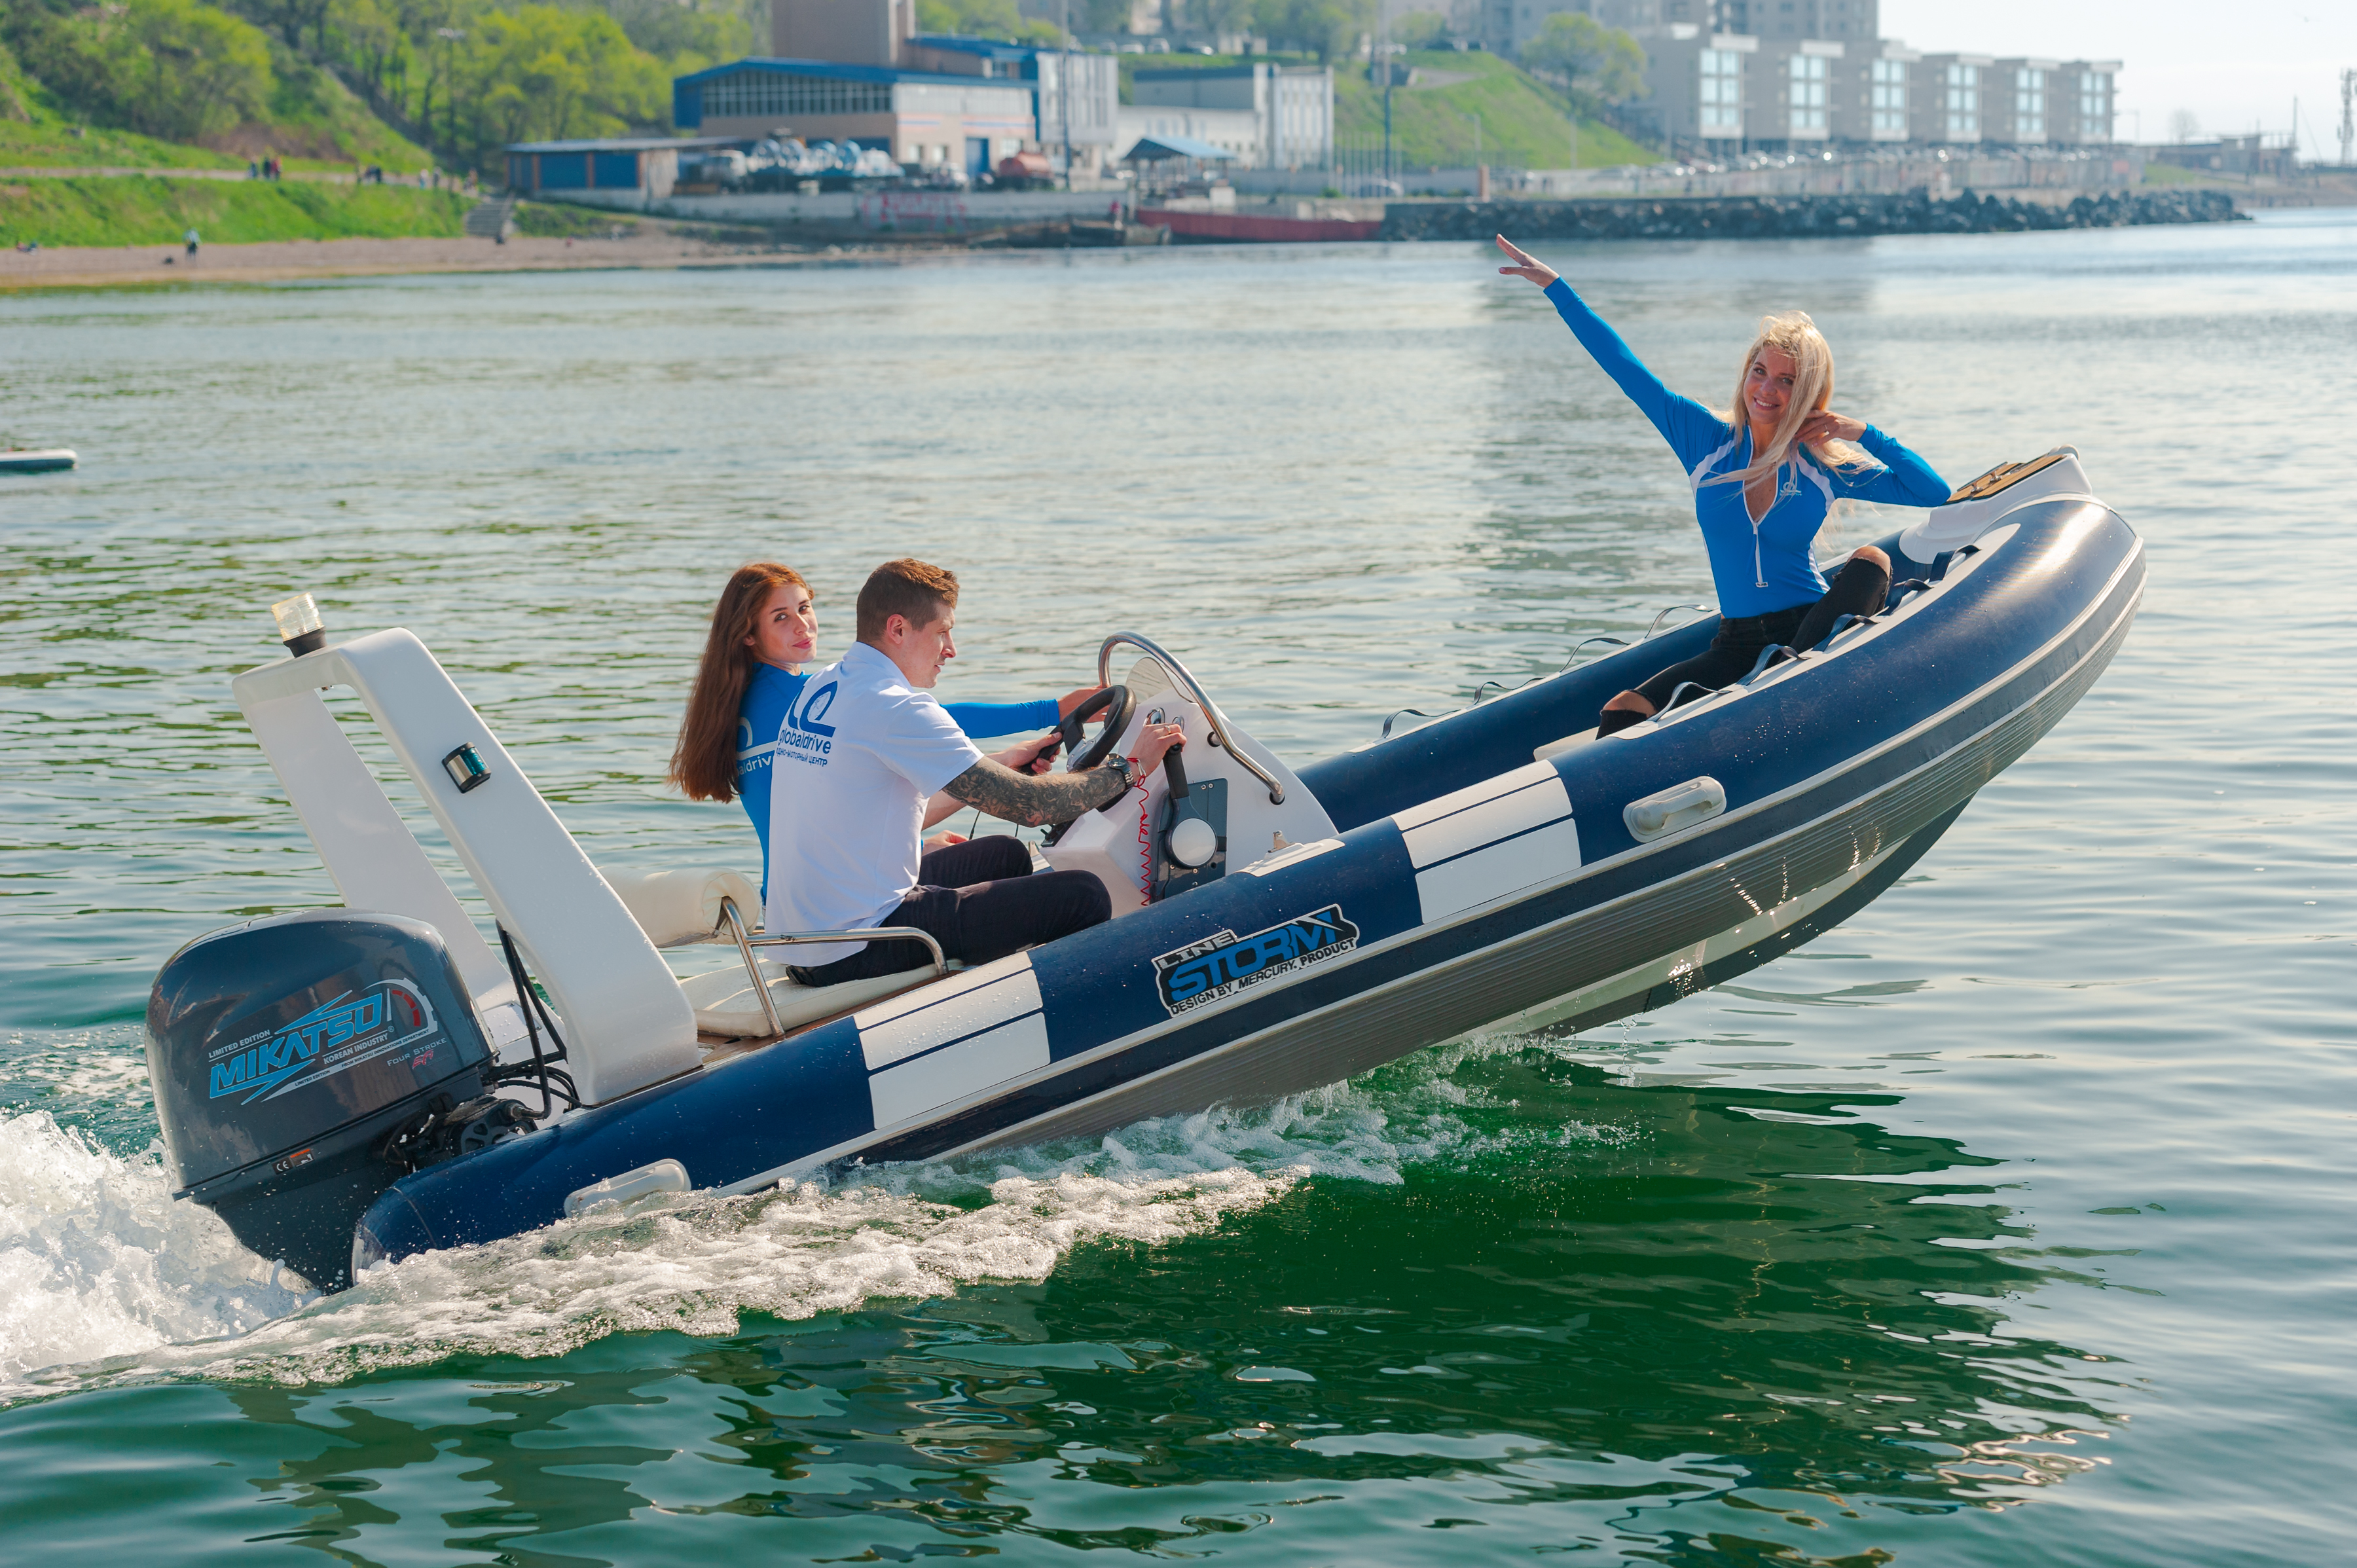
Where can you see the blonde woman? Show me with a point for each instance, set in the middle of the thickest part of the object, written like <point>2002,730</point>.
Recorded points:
<point>1764,475</point>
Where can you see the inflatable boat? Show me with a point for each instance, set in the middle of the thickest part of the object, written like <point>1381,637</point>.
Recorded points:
<point>354,1085</point>
<point>24,460</point>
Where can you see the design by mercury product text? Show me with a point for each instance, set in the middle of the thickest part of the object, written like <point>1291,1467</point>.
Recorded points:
<point>1223,964</point>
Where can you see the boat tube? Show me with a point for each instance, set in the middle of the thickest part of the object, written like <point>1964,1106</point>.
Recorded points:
<point>22,460</point>
<point>355,1086</point>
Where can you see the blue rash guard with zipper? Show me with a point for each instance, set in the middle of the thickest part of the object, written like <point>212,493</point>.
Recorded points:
<point>763,714</point>
<point>1763,567</point>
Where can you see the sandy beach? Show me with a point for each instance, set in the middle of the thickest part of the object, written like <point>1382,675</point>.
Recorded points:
<point>282,261</point>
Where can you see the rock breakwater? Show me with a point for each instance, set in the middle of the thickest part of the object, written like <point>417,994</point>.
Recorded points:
<point>1794,217</point>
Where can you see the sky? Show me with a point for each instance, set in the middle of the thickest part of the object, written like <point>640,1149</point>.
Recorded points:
<point>2234,66</point>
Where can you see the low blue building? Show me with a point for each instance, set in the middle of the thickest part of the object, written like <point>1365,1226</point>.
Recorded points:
<point>647,164</point>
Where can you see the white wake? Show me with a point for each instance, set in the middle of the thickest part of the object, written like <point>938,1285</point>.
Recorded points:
<point>105,1278</point>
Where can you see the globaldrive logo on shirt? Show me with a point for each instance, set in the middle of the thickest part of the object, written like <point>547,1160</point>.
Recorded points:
<point>808,738</point>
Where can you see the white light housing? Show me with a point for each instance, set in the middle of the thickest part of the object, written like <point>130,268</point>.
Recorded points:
<point>299,626</point>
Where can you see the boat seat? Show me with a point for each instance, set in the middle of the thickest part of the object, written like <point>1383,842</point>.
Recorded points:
<point>675,907</point>
<point>685,907</point>
<point>724,1003</point>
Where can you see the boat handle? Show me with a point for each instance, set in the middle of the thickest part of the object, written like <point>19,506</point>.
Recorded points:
<point>1581,646</point>
<point>663,1175</point>
<point>1419,713</point>
<point>1772,655</point>
<point>1666,614</point>
<point>873,933</point>
<point>1660,814</point>
<point>736,924</point>
<point>1184,679</point>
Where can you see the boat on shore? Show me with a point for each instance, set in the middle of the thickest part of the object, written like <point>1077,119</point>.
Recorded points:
<point>45,460</point>
<point>353,1086</point>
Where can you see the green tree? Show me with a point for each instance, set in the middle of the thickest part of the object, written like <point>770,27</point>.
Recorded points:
<point>1326,28</point>
<point>686,35</point>
<point>173,69</point>
<point>987,19</point>
<point>1587,59</point>
<point>1420,30</point>
<point>542,73</point>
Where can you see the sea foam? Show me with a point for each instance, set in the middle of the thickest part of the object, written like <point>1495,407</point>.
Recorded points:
<point>105,1278</point>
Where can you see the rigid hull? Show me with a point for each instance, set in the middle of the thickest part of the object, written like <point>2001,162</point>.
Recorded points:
<point>1484,868</point>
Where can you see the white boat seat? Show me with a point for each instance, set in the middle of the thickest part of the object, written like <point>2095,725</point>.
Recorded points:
<point>676,909</point>
<point>724,1003</point>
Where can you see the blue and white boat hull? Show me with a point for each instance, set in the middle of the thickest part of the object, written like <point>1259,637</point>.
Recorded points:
<point>1498,867</point>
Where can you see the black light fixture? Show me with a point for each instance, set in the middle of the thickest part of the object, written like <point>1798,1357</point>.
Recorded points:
<point>466,770</point>
<point>299,626</point>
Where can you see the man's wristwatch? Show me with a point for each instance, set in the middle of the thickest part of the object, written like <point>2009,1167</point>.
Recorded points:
<point>1128,767</point>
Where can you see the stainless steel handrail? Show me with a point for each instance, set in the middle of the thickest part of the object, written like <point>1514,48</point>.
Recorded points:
<point>1184,679</point>
<point>736,924</point>
<point>875,933</point>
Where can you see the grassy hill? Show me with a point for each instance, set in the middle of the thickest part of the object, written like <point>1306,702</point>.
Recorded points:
<point>1524,124</point>
<point>155,209</point>
<point>296,111</point>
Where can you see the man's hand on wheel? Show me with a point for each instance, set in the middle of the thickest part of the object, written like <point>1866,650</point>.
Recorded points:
<point>1033,755</point>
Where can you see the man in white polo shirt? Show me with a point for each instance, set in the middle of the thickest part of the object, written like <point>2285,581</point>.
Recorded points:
<point>867,760</point>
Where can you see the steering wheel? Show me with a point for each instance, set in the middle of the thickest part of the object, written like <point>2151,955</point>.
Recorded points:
<point>1114,703</point>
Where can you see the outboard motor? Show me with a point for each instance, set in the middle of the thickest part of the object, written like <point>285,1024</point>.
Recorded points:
<point>304,1063</point>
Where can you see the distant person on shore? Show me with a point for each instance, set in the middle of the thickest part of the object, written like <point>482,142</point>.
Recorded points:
<point>764,630</point>
<point>1765,475</point>
<point>191,238</point>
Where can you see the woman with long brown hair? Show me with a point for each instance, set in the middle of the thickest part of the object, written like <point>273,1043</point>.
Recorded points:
<point>1765,474</point>
<point>764,629</point>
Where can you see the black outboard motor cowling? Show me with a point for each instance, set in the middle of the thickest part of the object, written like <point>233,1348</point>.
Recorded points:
<point>287,1053</point>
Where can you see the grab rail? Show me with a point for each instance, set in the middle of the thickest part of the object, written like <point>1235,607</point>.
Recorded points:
<point>736,924</point>
<point>1666,614</point>
<point>1775,653</point>
<point>1583,642</point>
<point>1184,679</point>
<point>1419,713</point>
<point>873,933</point>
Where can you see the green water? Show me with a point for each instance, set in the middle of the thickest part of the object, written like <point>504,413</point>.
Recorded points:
<point>2008,1224</point>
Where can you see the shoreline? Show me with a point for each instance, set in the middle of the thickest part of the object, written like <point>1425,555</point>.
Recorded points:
<point>657,248</point>
<point>291,261</point>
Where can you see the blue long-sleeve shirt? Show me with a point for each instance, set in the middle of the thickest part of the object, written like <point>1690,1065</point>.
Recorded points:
<point>762,714</point>
<point>1758,567</point>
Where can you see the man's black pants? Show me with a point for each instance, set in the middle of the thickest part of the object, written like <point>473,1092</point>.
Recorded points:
<point>980,900</point>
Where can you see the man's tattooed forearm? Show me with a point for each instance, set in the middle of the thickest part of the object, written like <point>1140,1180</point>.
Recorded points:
<point>1014,797</point>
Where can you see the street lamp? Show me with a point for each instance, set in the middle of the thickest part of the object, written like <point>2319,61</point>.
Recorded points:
<point>450,37</point>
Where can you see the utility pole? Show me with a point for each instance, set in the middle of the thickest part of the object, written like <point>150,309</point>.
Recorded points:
<point>1064,87</point>
<point>1383,47</point>
<point>450,37</point>
<point>2348,126</point>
